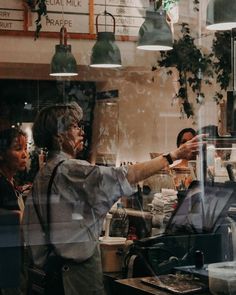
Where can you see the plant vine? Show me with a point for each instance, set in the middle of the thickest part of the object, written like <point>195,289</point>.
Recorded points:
<point>167,4</point>
<point>191,64</point>
<point>40,7</point>
<point>221,56</point>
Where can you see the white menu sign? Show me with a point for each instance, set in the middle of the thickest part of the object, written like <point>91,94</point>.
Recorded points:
<point>74,23</point>
<point>77,16</point>
<point>11,4</point>
<point>11,15</point>
<point>129,15</point>
<point>74,14</point>
<point>73,6</point>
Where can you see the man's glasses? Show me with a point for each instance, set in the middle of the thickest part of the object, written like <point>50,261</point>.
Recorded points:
<point>81,125</point>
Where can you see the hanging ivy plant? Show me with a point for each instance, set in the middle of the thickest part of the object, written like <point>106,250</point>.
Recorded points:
<point>40,7</point>
<point>221,48</point>
<point>168,4</point>
<point>191,64</point>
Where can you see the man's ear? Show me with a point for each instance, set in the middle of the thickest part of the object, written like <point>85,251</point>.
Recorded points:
<point>57,141</point>
<point>59,138</point>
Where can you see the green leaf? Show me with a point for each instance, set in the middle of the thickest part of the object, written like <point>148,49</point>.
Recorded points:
<point>191,64</point>
<point>40,7</point>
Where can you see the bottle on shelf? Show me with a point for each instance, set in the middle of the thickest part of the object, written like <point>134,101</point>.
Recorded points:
<point>119,225</point>
<point>137,199</point>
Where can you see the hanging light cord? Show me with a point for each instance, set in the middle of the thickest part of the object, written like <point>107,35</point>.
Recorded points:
<point>105,13</point>
<point>157,4</point>
<point>63,36</point>
<point>62,12</point>
<point>63,32</point>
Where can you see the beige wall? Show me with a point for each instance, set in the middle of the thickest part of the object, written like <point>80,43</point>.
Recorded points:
<point>145,118</point>
<point>25,49</point>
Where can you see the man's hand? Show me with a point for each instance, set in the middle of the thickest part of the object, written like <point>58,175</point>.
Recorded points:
<point>190,149</point>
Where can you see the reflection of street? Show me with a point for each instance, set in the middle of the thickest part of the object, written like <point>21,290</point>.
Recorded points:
<point>83,98</point>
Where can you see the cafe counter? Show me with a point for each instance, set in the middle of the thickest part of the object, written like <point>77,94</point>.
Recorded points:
<point>136,286</point>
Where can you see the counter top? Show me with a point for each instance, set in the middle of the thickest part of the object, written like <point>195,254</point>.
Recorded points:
<point>134,286</point>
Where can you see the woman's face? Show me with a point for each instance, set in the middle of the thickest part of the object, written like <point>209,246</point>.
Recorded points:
<point>186,137</point>
<point>15,158</point>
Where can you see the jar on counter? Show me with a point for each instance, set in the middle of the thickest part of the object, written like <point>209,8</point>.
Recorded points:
<point>182,177</point>
<point>162,179</point>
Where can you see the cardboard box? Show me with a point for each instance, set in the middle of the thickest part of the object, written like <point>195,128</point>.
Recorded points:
<point>112,253</point>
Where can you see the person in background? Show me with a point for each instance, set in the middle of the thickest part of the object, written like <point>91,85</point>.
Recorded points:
<point>81,196</point>
<point>183,175</point>
<point>13,158</point>
<point>183,136</point>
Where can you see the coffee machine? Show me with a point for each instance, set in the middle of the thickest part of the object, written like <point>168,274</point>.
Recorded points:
<point>200,223</point>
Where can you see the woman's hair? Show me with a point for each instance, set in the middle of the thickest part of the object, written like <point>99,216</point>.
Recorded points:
<point>53,120</point>
<point>181,134</point>
<point>7,137</point>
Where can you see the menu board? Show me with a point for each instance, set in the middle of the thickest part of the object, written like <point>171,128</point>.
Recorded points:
<point>74,14</point>
<point>11,15</point>
<point>79,16</point>
<point>129,15</point>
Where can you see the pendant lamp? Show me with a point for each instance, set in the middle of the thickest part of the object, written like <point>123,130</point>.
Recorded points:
<point>155,33</point>
<point>221,15</point>
<point>63,63</point>
<point>105,52</point>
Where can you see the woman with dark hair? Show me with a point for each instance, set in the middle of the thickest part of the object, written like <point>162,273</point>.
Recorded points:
<point>183,174</point>
<point>78,197</point>
<point>185,135</point>
<point>13,158</point>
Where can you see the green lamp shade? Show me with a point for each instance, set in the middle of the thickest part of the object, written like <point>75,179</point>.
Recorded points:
<point>155,33</point>
<point>105,52</point>
<point>221,15</point>
<point>63,63</point>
